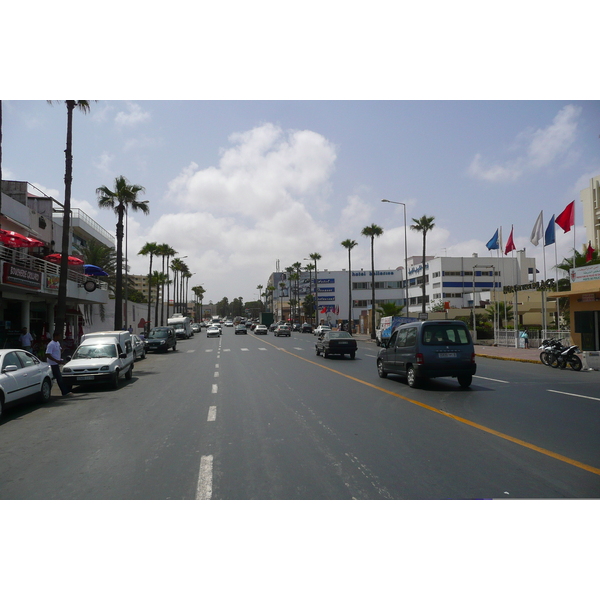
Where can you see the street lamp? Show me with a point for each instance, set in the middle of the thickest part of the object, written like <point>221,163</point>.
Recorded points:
<point>405,255</point>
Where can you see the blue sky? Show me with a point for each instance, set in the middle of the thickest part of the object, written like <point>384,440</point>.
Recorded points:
<point>296,123</point>
<point>238,185</point>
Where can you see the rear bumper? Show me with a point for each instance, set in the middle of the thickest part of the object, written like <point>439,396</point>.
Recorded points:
<point>453,371</point>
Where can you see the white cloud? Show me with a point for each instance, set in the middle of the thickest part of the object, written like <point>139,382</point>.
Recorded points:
<point>104,163</point>
<point>134,116</point>
<point>539,148</point>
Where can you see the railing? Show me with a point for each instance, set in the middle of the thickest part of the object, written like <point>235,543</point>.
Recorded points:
<point>77,213</point>
<point>508,337</point>
<point>19,256</point>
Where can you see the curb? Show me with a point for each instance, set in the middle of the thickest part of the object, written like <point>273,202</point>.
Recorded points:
<point>525,360</point>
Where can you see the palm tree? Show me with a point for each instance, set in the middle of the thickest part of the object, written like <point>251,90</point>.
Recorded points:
<point>424,225</point>
<point>150,248</point>
<point>503,310</point>
<point>281,287</point>
<point>315,256</point>
<point>389,309</point>
<point>61,306</point>
<point>372,231</point>
<point>166,252</point>
<point>349,244</point>
<point>158,279</point>
<point>119,200</point>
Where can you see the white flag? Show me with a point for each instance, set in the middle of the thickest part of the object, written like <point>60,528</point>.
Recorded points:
<point>538,230</point>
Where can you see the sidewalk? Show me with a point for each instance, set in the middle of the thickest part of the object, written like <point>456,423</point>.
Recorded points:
<point>531,355</point>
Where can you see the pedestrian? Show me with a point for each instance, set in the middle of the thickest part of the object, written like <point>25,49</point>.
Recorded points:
<point>130,329</point>
<point>525,337</point>
<point>54,359</point>
<point>25,339</point>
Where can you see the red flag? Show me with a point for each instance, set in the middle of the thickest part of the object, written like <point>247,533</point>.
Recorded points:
<point>510,245</point>
<point>566,219</point>
<point>589,255</point>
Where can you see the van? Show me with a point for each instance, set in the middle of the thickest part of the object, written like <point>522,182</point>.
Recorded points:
<point>428,349</point>
<point>102,357</point>
<point>182,326</point>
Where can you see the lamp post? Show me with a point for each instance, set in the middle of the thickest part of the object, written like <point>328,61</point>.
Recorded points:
<point>405,277</point>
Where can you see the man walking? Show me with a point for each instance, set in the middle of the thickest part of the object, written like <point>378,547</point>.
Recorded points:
<point>25,339</point>
<point>53,358</point>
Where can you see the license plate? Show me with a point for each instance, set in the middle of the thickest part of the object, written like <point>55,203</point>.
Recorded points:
<point>85,378</point>
<point>342,343</point>
<point>448,355</point>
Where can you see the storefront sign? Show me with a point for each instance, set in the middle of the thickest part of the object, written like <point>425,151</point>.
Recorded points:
<point>52,282</point>
<point>589,273</point>
<point>22,277</point>
<point>548,284</point>
<point>327,289</point>
<point>365,273</point>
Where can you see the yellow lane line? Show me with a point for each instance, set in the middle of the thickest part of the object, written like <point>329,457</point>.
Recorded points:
<point>499,434</point>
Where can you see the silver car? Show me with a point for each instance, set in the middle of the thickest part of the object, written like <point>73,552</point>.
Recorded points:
<point>139,347</point>
<point>23,375</point>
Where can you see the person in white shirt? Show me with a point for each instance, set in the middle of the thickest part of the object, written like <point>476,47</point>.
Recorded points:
<point>54,359</point>
<point>25,339</point>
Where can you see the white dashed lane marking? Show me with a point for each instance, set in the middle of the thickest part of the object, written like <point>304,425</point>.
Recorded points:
<point>215,388</point>
<point>212,413</point>
<point>205,476</point>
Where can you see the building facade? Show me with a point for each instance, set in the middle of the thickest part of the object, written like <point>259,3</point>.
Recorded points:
<point>590,202</point>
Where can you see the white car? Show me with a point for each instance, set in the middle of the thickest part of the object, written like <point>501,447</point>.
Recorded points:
<point>228,323</point>
<point>213,331</point>
<point>321,329</point>
<point>139,346</point>
<point>261,330</point>
<point>23,375</point>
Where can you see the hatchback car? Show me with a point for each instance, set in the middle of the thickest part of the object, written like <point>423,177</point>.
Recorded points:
<point>23,375</point>
<point>139,347</point>
<point>261,330</point>
<point>160,339</point>
<point>282,330</point>
<point>336,342</point>
<point>419,351</point>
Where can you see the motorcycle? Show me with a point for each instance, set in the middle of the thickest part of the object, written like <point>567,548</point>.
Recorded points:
<point>550,348</point>
<point>567,358</point>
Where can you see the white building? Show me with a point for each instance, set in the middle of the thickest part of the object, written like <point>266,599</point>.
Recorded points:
<point>590,201</point>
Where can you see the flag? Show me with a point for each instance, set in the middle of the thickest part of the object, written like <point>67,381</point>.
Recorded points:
<point>510,245</point>
<point>589,255</point>
<point>538,229</point>
<point>566,219</point>
<point>550,236</point>
<point>493,243</point>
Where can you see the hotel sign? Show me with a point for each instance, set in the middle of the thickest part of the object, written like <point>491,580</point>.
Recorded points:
<point>589,273</point>
<point>21,277</point>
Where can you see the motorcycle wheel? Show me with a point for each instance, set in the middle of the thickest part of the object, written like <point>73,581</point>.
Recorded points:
<point>575,363</point>
<point>544,358</point>
<point>553,362</point>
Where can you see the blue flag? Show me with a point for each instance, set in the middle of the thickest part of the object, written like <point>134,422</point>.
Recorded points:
<point>493,243</point>
<point>550,235</point>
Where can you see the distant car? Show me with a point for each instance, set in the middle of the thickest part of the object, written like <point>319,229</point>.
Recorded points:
<point>336,342</point>
<point>321,329</point>
<point>23,375</point>
<point>160,339</point>
<point>307,328</point>
<point>139,347</point>
<point>240,329</point>
<point>196,327</point>
<point>213,331</point>
<point>297,327</point>
<point>261,330</point>
<point>228,323</point>
<point>282,330</point>
<point>272,326</point>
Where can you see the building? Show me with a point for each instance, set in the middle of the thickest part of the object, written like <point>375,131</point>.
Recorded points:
<point>140,284</point>
<point>590,201</point>
<point>29,282</point>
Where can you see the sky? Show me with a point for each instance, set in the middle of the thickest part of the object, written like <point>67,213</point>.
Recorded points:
<point>241,186</point>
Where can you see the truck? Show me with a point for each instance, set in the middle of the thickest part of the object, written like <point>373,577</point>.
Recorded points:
<point>182,326</point>
<point>387,326</point>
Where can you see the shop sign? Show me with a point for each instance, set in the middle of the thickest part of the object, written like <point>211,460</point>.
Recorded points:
<point>327,289</point>
<point>327,298</point>
<point>21,277</point>
<point>52,282</point>
<point>326,281</point>
<point>588,297</point>
<point>589,273</point>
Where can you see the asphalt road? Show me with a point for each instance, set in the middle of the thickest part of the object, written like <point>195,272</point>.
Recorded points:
<point>259,417</point>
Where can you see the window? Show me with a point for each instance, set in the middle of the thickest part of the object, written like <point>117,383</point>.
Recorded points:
<point>27,360</point>
<point>401,342</point>
<point>411,336</point>
<point>443,335</point>
<point>11,359</point>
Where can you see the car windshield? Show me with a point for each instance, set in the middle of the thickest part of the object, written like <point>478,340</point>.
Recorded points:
<point>100,351</point>
<point>159,333</point>
<point>335,335</point>
<point>445,335</point>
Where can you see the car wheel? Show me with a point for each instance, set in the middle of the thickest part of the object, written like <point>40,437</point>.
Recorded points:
<point>1,407</point>
<point>46,390</point>
<point>175,348</point>
<point>115,381</point>
<point>129,373</point>
<point>325,353</point>
<point>318,351</point>
<point>143,355</point>
<point>411,376</point>
<point>465,380</point>
<point>380,370</point>
<point>352,354</point>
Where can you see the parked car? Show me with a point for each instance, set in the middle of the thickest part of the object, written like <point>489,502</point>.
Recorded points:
<point>240,329</point>
<point>213,331</point>
<point>160,339</point>
<point>321,329</point>
<point>282,330</point>
<point>196,327</point>
<point>426,349</point>
<point>261,330</point>
<point>102,357</point>
<point>139,347</point>
<point>307,328</point>
<point>336,342</point>
<point>23,375</point>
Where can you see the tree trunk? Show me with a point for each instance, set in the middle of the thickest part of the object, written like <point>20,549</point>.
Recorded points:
<point>373,334</point>
<point>349,294</point>
<point>119,271</point>
<point>149,295</point>
<point>423,282</point>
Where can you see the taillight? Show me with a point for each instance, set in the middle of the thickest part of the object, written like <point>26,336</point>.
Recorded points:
<point>420,359</point>
<point>473,358</point>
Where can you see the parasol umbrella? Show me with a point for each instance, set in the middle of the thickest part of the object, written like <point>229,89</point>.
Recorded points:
<point>94,270</point>
<point>74,261</point>
<point>18,240</point>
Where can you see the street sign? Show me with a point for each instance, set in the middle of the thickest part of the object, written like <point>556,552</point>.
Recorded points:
<point>423,316</point>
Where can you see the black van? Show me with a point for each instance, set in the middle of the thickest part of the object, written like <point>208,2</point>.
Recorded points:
<point>428,349</point>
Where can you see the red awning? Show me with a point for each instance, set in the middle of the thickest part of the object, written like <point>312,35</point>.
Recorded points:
<point>18,240</point>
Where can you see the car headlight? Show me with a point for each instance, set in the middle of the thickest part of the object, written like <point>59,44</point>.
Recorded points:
<point>105,368</point>
<point>66,370</point>
<point>162,342</point>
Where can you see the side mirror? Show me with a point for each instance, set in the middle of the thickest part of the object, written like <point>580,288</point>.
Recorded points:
<point>123,355</point>
<point>10,369</point>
